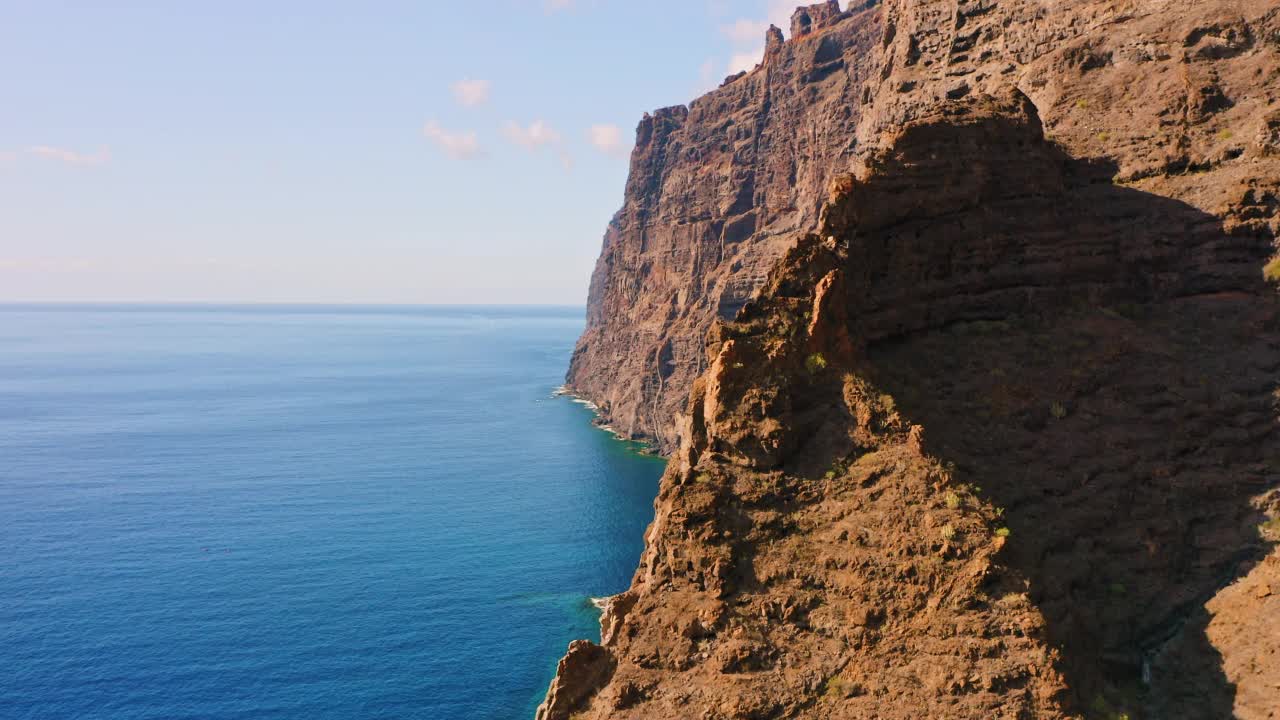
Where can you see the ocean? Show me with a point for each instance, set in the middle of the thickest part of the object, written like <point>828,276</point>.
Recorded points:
<point>300,512</point>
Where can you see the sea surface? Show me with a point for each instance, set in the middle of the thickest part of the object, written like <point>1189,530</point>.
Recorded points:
<point>300,512</point>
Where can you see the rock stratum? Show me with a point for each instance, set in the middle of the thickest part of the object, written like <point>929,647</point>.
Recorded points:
<point>959,322</point>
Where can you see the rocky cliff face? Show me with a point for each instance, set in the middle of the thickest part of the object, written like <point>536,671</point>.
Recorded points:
<point>717,192</point>
<point>984,421</point>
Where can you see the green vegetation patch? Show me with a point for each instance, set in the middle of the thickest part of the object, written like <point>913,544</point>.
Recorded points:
<point>1271,271</point>
<point>836,688</point>
<point>815,363</point>
<point>838,468</point>
<point>1271,527</point>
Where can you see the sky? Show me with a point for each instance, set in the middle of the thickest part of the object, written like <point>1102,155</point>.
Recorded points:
<point>335,152</point>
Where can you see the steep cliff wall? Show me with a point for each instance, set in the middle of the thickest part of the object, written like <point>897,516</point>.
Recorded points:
<point>998,433</point>
<point>717,192</point>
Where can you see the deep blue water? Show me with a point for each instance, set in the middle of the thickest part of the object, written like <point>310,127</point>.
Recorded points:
<point>255,512</point>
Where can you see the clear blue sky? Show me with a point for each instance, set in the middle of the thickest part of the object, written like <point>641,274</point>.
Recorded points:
<point>382,151</point>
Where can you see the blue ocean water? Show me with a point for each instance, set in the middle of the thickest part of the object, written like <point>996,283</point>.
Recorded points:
<point>300,512</point>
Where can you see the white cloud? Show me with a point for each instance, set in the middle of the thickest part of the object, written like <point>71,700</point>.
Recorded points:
<point>710,73</point>
<point>458,145</point>
<point>707,74</point>
<point>606,138</point>
<point>71,157</point>
<point>745,32</point>
<point>750,33</point>
<point>470,93</point>
<point>538,134</point>
<point>780,12</point>
<point>745,61</point>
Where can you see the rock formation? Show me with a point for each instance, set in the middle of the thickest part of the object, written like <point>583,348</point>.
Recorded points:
<point>717,192</point>
<point>954,319</point>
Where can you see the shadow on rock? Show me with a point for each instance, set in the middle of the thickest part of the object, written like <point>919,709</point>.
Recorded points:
<point>1100,365</point>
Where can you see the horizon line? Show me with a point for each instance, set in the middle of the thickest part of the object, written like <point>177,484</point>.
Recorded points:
<point>273,303</point>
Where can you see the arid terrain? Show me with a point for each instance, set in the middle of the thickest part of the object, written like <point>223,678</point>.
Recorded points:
<point>959,321</point>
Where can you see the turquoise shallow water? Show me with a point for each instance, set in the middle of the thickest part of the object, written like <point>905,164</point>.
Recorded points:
<point>300,512</point>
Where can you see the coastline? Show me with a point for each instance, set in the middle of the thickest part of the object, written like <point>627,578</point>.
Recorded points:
<point>641,447</point>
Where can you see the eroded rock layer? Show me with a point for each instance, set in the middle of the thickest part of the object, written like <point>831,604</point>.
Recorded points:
<point>1164,90</point>
<point>997,434</point>
<point>717,192</point>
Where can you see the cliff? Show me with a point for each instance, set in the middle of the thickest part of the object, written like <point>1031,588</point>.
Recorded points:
<point>717,192</point>
<point>975,413</point>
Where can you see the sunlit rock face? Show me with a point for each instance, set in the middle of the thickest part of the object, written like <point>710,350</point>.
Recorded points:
<point>955,320</point>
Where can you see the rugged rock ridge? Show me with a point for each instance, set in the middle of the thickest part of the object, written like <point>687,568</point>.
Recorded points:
<point>716,194</point>
<point>1166,90</point>
<point>998,434</point>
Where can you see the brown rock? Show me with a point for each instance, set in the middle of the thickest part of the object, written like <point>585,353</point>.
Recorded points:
<point>582,671</point>
<point>808,19</point>
<point>715,191</point>
<point>962,303</point>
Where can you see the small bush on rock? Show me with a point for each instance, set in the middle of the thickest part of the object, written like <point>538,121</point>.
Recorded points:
<point>1271,271</point>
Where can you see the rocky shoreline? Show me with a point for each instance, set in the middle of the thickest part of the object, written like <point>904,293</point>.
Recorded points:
<point>598,420</point>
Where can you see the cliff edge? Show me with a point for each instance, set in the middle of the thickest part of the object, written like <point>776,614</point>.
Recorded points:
<point>959,321</point>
